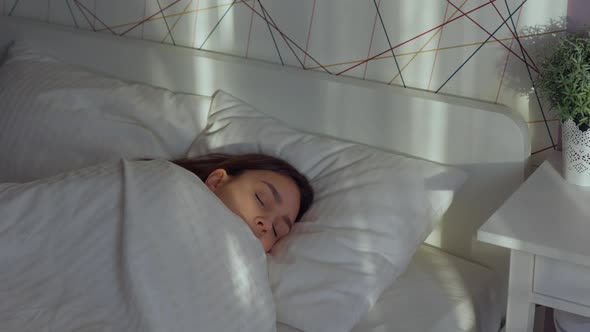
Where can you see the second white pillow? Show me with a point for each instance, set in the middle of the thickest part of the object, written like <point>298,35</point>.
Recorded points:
<point>372,210</point>
<point>55,117</point>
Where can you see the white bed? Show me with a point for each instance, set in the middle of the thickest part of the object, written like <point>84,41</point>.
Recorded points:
<point>438,292</point>
<point>446,287</point>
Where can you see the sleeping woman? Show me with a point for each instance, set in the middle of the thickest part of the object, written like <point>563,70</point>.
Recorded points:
<point>146,245</point>
<point>266,192</point>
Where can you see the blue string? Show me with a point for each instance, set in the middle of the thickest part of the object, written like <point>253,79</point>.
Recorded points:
<point>389,42</point>
<point>271,34</point>
<point>217,24</point>
<point>72,13</point>
<point>480,46</point>
<point>166,22</point>
<point>13,7</point>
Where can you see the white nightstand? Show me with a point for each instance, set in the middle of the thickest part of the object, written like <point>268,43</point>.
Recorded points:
<point>546,226</point>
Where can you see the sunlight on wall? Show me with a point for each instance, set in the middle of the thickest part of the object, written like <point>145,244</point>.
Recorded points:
<point>227,35</point>
<point>217,27</point>
<point>344,33</point>
<point>415,17</point>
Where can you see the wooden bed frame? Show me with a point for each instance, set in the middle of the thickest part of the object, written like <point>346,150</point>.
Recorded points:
<point>489,141</point>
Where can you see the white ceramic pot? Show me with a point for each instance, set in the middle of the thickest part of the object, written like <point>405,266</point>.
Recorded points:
<point>576,154</point>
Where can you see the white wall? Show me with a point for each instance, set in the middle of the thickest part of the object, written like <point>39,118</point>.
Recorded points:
<point>339,34</point>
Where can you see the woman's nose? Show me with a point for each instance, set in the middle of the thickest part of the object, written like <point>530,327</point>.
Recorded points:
<point>263,224</point>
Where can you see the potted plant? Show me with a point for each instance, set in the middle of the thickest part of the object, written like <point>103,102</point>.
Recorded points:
<point>564,81</point>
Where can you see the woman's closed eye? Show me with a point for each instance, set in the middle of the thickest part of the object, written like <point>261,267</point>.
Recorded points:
<point>259,199</point>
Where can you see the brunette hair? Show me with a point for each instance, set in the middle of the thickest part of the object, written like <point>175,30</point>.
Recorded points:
<point>235,165</point>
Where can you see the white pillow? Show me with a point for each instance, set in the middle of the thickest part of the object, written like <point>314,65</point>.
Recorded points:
<point>372,210</point>
<point>55,117</point>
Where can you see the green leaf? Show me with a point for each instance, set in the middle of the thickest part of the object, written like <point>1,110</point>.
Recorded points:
<point>564,78</point>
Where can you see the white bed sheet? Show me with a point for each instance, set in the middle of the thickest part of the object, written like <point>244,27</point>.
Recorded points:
<point>437,293</point>
<point>128,246</point>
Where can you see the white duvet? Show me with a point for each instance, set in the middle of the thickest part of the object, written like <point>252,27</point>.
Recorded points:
<point>128,246</point>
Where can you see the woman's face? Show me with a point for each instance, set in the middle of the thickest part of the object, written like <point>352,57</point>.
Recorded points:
<point>267,201</point>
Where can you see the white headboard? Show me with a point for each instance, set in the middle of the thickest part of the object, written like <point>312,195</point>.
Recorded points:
<point>489,141</point>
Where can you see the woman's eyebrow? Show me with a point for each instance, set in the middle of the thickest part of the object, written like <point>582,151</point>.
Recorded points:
<point>274,191</point>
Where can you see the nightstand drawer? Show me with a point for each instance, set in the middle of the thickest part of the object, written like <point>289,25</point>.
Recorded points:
<point>562,280</point>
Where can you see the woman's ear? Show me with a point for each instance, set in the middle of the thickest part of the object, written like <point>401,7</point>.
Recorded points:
<point>216,179</point>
